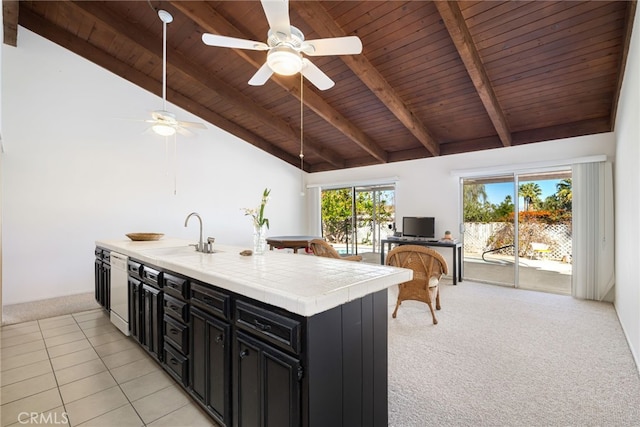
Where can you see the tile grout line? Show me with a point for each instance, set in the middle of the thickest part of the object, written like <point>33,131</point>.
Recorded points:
<point>93,347</point>
<point>119,385</point>
<point>45,346</point>
<point>55,378</point>
<point>114,379</point>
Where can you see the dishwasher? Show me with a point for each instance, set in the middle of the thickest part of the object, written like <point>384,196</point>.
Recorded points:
<point>120,292</point>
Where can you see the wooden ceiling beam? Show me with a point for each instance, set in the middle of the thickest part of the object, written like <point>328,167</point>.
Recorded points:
<point>322,23</point>
<point>179,63</point>
<point>10,13</point>
<point>211,21</point>
<point>455,24</point>
<point>88,51</point>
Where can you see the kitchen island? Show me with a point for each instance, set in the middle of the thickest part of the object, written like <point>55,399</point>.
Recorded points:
<point>275,339</point>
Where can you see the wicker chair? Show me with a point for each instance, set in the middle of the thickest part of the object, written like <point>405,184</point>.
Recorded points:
<point>322,248</point>
<point>428,267</point>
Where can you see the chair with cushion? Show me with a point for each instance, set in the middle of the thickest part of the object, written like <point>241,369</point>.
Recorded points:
<point>428,267</point>
<point>324,249</point>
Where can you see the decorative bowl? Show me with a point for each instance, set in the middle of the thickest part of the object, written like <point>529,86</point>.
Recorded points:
<point>144,236</point>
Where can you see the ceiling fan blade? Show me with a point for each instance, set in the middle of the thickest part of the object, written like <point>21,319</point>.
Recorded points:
<point>184,132</point>
<point>232,42</point>
<point>350,45</point>
<point>191,125</point>
<point>277,12</point>
<point>261,76</point>
<point>315,75</point>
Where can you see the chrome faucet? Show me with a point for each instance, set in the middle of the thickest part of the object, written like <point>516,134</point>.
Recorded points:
<point>201,247</point>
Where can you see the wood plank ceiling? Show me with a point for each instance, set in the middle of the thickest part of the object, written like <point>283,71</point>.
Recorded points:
<point>434,78</point>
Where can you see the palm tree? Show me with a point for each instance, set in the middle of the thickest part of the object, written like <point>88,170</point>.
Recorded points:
<point>473,193</point>
<point>474,199</point>
<point>564,193</point>
<point>531,193</point>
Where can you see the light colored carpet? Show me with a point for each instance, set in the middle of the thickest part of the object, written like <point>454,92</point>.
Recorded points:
<point>508,357</point>
<point>17,313</point>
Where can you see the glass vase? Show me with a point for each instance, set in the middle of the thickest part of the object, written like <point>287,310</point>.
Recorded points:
<point>259,239</point>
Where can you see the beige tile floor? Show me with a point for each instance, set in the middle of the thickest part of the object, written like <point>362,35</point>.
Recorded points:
<point>79,370</point>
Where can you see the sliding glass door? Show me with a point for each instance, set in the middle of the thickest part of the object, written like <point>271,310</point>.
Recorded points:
<point>355,219</point>
<point>544,224</point>
<point>530,250</point>
<point>489,252</point>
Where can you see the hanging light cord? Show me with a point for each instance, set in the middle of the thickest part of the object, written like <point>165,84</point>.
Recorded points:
<point>164,65</point>
<point>301,136</point>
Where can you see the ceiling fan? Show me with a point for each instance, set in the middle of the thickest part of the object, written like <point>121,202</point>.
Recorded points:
<point>286,46</point>
<point>162,121</point>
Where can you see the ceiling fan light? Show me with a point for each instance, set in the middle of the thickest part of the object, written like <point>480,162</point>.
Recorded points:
<point>163,129</point>
<point>284,60</point>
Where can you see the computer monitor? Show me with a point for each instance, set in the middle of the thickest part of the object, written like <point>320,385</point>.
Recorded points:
<point>418,226</point>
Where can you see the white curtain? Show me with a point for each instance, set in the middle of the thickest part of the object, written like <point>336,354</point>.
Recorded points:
<point>593,244</point>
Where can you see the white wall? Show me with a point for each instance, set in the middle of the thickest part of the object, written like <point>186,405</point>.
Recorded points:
<point>627,193</point>
<point>77,167</point>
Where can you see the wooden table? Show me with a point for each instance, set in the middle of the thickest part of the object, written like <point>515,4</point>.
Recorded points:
<point>290,242</point>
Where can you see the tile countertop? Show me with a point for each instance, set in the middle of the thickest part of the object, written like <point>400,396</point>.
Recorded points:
<point>301,284</point>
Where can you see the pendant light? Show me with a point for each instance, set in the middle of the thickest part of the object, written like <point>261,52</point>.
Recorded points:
<point>162,121</point>
<point>301,136</point>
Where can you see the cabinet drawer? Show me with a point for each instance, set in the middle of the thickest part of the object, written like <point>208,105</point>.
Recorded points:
<point>279,330</point>
<point>133,268</point>
<point>177,364</point>
<point>177,334</point>
<point>176,286</point>
<point>210,300</point>
<point>151,276</point>
<point>176,308</point>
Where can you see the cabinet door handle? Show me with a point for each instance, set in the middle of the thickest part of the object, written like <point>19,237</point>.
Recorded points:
<point>173,307</point>
<point>219,338</point>
<point>262,326</point>
<point>173,331</point>
<point>207,300</point>
<point>244,353</point>
<point>174,361</point>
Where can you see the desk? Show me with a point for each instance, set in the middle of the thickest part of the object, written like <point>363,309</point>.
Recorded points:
<point>455,246</point>
<point>290,242</point>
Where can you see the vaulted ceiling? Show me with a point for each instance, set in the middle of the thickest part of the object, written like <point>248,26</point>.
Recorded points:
<point>433,78</point>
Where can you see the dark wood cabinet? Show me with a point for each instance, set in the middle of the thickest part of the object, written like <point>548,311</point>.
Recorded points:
<point>211,352</point>
<point>146,307</point>
<point>135,292</point>
<point>176,364</point>
<point>268,371</point>
<point>267,385</point>
<point>102,267</point>
<point>151,320</point>
<point>248,363</point>
<point>176,327</point>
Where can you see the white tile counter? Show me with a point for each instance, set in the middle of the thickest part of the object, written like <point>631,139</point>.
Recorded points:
<point>302,284</point>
